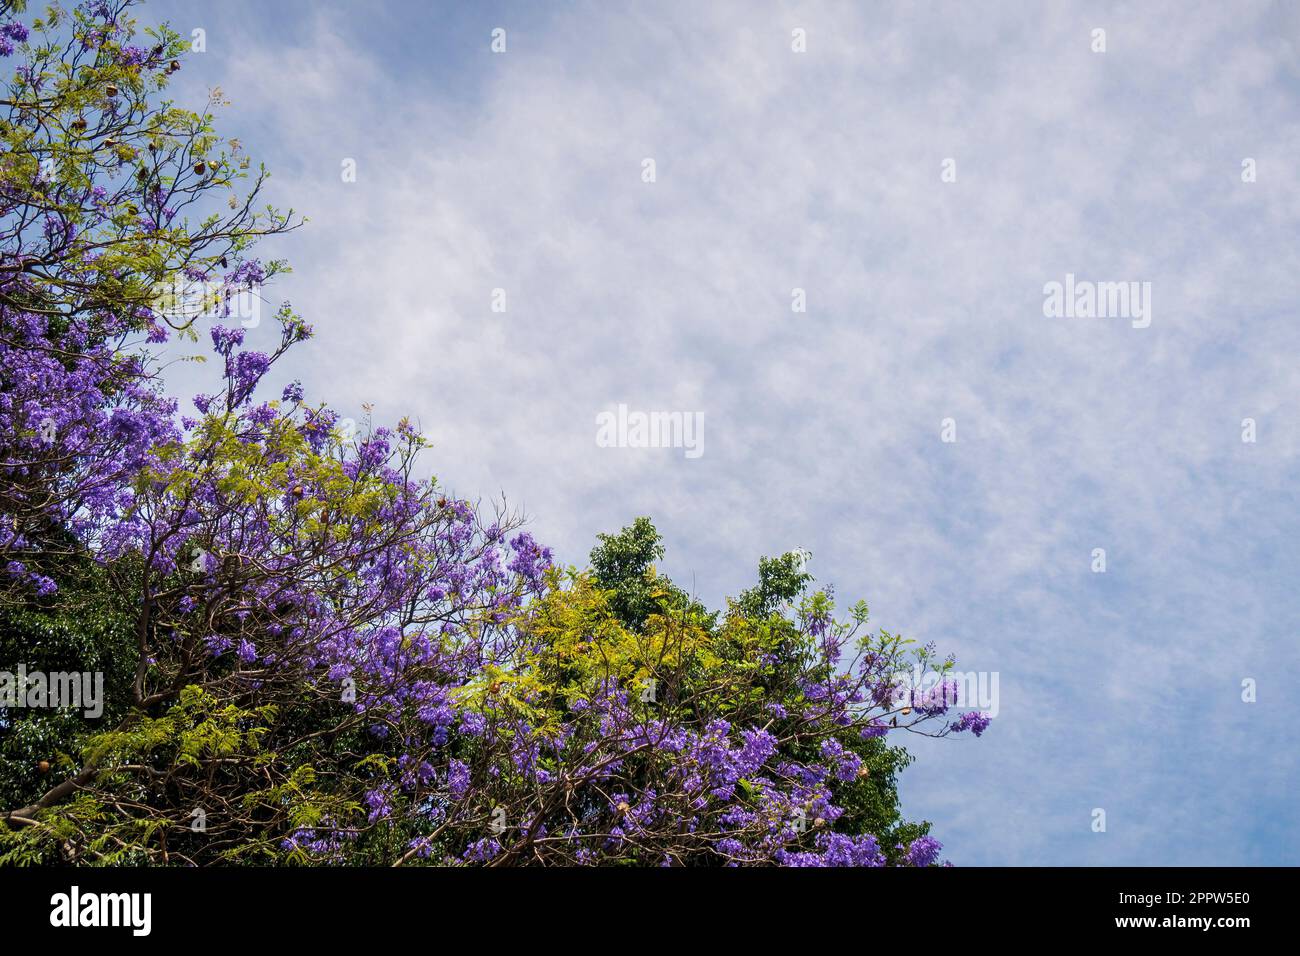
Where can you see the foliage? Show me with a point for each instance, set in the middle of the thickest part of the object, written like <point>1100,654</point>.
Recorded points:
<point>311,655</point>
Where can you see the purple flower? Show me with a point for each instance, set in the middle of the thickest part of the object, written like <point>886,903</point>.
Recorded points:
<point>837,849</point>
<point>759,746</point>
<point>457,779</point>
<point>923,851</point>
<point>973,720</point>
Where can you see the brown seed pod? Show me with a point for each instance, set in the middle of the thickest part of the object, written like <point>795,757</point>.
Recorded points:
<point>111,89</point>
<point>79,123</point>
<point>43,766</point>
<point>200,168</point>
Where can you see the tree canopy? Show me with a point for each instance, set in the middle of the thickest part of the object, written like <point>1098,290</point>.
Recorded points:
<point>308,653</point>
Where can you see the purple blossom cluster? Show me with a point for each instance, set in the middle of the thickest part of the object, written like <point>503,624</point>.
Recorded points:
<point>80,420</point>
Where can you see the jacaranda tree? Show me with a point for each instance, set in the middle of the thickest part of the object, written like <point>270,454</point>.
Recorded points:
<point>310,654</point>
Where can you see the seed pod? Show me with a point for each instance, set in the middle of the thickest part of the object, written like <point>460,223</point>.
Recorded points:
<point>79,123</point>
<point>43,766</point>
<point>200,168</point>
<point>111,89</point>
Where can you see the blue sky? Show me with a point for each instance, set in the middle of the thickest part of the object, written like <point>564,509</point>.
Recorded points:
<point>821,170</point>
